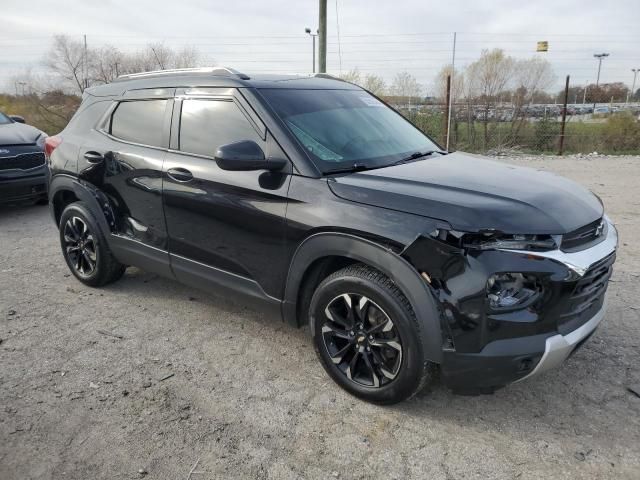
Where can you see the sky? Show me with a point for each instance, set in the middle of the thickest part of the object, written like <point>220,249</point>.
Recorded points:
<point>381,37</point>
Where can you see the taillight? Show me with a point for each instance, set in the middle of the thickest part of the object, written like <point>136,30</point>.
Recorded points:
<point>50,144</point>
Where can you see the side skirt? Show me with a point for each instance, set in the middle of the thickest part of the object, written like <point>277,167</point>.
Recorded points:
<point>195,274</point>
<point>220,282</point>
<point>132,252</point>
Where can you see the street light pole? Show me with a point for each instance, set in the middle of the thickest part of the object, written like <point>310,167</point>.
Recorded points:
<point>599,56</point>
<point>635,74</point>
<point>313,37</point>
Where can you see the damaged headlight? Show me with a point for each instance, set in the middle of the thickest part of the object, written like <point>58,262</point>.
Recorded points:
<point>512,290</point>
<point>492,241</point>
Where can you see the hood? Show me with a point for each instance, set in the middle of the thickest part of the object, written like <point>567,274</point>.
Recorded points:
<point>18,133</point>
<point>472,193</point>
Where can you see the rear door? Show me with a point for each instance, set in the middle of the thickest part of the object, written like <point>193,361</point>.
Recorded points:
<point>123,159</point>
<point>225,227</point>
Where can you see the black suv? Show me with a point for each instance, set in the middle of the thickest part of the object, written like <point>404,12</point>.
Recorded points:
<point>23,173</point>
<point>313,200</point>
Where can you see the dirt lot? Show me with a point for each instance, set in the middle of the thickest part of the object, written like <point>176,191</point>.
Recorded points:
<point>195,379</point>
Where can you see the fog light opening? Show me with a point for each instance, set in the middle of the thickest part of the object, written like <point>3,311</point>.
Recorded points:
<point>525,365</point>
<point>511,290</point>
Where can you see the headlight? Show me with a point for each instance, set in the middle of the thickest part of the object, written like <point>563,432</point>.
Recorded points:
<point>510,242</point>
<point>507,291</point>
<point>39,141</point>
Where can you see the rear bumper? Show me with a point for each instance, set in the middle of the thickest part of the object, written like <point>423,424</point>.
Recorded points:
<point>24,187</point>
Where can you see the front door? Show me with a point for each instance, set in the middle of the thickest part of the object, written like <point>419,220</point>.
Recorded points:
<point>226,228</point>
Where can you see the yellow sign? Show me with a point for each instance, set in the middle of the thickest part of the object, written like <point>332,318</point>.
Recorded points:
<point>542,47</point>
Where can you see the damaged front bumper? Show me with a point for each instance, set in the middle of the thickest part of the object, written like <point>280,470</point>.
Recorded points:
<point>484,349</point>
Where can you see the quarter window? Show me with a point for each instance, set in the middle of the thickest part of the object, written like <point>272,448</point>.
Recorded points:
<point>207,124</point>
<point>139,121</point>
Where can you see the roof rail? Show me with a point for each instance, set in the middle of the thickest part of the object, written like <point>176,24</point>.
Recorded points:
<point>329,77</point>
<point>222,71</point>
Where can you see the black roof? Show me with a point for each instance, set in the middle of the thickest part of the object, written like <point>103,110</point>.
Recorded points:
<point>216,77</point>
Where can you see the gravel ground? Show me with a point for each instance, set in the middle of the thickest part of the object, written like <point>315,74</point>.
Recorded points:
<point>147,378</point>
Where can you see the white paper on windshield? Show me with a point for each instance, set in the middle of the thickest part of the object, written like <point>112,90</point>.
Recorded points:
<point>370,101</point>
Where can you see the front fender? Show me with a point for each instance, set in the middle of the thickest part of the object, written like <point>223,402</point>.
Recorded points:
<point>395,267</point>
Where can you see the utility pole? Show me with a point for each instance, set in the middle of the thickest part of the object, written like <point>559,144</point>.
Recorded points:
<point>599,56</point>
<point>313,36</point>
<point>322,60</point>
<point>635,74</point>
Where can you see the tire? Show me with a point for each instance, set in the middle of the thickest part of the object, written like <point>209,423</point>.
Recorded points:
<point>372,348</point>
<point>85,248</point>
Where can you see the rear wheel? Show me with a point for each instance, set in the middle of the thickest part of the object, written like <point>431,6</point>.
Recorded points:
<point>367,337</point>
<point>85,249</point>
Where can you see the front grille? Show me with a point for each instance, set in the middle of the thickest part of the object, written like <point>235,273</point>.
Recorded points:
<point>588,295</point>
<point>23,162</point>
<point>583,235</point>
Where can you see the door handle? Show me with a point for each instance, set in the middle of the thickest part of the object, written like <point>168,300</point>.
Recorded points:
<point>180,174</point>
<point>93,157</point>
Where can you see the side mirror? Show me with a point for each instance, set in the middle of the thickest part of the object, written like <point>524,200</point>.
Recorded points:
<point>245,155</point>
<point>17,118</point>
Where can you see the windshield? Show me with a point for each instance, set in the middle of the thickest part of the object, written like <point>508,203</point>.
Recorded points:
<point>4,119</point>
<point>342,128</point>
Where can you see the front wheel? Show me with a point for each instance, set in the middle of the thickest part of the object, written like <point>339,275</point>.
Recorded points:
<point>367,336</point>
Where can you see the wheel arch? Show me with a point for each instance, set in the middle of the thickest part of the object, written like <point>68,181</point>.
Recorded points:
<point>65,189</point>
<point>337,248</point>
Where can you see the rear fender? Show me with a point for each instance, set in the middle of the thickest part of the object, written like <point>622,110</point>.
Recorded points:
<point>97,202</point>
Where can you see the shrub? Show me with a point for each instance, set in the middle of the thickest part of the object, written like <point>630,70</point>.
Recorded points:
<point>621,132</point>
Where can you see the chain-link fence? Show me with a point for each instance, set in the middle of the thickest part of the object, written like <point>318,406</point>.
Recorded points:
<point>613,129</point>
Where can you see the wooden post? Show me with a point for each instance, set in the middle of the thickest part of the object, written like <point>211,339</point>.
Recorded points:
<point>564,116</point>
<point>446,111</point>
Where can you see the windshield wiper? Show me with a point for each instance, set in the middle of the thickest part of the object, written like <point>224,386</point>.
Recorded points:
<point>356,167</point>
<point>359,167</point>
<point>416,155</point>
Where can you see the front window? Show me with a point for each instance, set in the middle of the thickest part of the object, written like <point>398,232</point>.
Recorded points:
<point>4,119</point>
<point>343,128</point>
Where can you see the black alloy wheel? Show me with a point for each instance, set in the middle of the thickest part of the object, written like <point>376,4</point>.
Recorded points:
<point>80,246</point>
<point>85,248</point>
<point>367,337</point>
<point>362,340</point>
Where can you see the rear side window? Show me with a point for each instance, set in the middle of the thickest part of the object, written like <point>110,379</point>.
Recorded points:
<point>207,124</point>
<point>139,121</point>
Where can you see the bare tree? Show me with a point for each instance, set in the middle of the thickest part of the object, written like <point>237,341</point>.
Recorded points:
<point>163,55</point>
<point>187,57</point>
<point>103,65</point>
<point>531,77</point>
<point>352,76</point>
<point>406,87</point>
<point>67,60</point>
<point>107,64</point>
<point>457,88</point>
<point>491,74</point>
<point>374,84</point>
